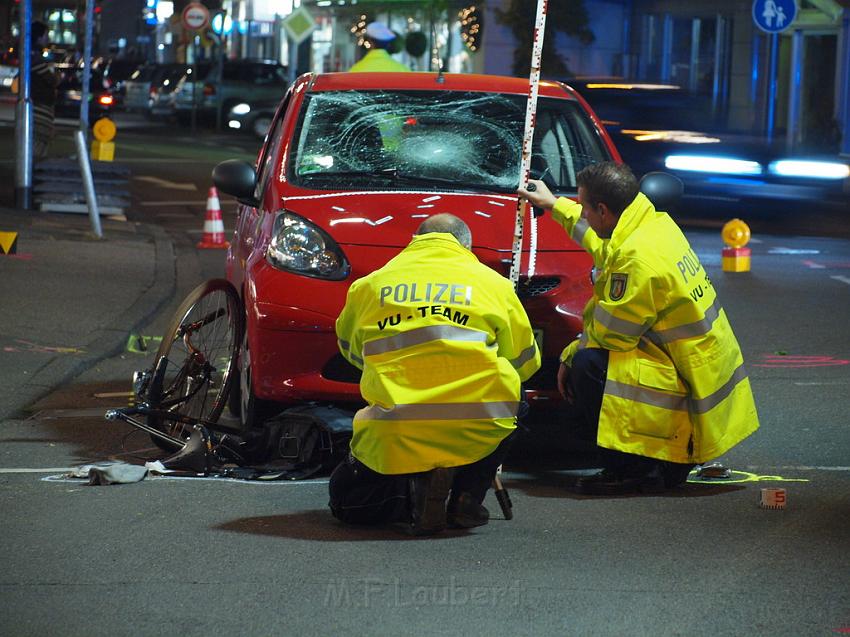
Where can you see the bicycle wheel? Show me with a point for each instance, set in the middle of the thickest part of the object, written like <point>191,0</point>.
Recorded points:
<point>195,364</point>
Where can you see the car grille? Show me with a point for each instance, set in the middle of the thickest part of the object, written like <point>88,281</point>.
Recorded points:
<point>537,285</point>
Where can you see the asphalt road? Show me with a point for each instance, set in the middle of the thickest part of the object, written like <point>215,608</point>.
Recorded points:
<point>222,557</point>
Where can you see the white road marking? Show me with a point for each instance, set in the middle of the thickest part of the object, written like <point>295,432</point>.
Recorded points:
<point>62,478</point>
<point>31,470</point>
<point>173,203</point>
<point>165,183</point>
<point>800,468</point>
<point>781,250</point>
<point>843,279</point>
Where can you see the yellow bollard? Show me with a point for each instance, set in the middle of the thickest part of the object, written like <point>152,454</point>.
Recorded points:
<point>102,147</point>
<point>736,258</point>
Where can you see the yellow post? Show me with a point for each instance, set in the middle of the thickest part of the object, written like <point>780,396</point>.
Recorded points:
<point>102,147</point>
<point>735,257</point>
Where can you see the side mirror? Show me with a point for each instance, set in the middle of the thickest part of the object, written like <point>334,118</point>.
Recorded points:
<point>237,178</point>
<point>663,190</point>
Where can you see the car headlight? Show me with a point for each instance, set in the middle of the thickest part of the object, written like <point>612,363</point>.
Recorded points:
<point>241,109</point>
<point>302,247</point>
<point>810,168</point>
<point>712,164</point>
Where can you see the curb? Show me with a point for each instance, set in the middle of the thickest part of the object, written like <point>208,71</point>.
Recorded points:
<point>110,340</point>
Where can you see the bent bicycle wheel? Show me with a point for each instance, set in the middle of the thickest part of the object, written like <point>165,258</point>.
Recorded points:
<point>195,364</point>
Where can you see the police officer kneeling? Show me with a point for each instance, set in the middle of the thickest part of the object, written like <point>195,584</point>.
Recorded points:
<point>444,344</point>
<point>657,377</point>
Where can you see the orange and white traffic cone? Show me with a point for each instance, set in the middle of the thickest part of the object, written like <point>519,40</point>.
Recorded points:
<point>213,224</point>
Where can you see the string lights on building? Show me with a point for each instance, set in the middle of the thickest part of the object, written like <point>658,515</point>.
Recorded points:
<point>470,27</point>
<point>358,29</point>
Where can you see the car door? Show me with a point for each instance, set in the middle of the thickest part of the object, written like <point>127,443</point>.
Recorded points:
<point>249,222</point>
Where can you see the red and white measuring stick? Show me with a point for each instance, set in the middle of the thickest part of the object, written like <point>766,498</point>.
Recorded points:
<point>528,135</point>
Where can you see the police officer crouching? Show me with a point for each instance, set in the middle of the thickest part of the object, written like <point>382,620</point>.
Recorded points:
<point>444,344</point>
<point>656,378</point>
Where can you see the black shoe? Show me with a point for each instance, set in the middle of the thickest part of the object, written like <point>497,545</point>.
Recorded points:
<point>465,513</point>
<point>610,482</point>
<point>428,494</point>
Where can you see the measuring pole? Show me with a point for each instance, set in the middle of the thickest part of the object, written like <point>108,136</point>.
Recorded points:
<point>528,135</point>
<point>525,168</point>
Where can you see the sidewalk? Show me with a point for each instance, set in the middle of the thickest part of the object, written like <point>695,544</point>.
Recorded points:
<point>69,300</point>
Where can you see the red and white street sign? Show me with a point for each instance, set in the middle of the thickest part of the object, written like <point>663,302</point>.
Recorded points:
<point>195,16</point>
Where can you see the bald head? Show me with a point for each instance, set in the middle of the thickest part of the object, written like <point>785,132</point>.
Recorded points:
<point>450,224</point>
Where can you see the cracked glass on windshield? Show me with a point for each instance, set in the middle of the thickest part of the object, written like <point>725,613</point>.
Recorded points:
<point>457,140</point>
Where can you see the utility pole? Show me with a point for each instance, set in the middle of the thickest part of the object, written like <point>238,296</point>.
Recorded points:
<point>23,112</point>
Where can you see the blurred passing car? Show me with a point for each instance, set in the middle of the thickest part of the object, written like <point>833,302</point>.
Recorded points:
<point>69,93</point>
<point>661,127</point>
<point>253,117</point>
<point>351,166</point>
<point>227,85</point>
<point>163,94</point>
<point>141,88</point>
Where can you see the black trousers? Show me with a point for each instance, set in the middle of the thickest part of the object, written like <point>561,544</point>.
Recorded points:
<point>359,495</point>
<point>587,381</point>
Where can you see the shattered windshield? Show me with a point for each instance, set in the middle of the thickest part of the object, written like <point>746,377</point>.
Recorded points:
<point>438,140</point>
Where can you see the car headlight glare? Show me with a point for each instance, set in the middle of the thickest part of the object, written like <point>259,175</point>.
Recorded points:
<point>810,168</point>
<point>711,164</point>
<point>241,109</point>
<point>299,246</point>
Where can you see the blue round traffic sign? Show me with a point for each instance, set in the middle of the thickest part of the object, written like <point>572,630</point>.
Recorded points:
<point>774,16</point>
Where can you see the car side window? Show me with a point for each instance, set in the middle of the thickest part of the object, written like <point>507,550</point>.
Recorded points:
<point>266,165</point>
<point>564,142</point>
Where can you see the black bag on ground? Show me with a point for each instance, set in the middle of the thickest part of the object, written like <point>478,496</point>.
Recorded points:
<point>302,442</point>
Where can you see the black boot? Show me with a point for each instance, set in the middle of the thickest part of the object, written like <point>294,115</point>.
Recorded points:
<point>465,513</point>
<point>428,494</point>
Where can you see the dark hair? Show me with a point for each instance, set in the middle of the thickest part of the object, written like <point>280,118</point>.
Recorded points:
<point>37,30</point>
<point>613,184</point>
<point>445,222</point>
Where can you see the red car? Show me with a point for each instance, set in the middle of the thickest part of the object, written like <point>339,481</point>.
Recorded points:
<point>350,167</point>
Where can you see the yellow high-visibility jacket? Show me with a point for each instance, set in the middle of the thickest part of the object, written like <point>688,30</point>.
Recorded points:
<point>676,387</point>
<point>444,343</point>
<point>377,60</point>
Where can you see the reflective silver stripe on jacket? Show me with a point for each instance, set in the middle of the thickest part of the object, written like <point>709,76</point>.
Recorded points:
<point>423,335</point>
<point>345,345</point>
<point>711,401</point>
<point>688,330</point>
<point>603,316</point>
<point>579,230</point>
<point>673,402</point>
<point>526,355</point>
<point>646,395</point>
<point>441,411</point>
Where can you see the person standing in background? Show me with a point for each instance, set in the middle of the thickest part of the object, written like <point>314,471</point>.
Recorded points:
<point>380,39</point>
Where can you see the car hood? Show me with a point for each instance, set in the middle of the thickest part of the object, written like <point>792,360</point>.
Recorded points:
<point>390,218</point>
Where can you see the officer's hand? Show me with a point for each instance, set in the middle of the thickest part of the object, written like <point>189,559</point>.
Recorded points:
<point>564,383</point>
<point>540,196</point>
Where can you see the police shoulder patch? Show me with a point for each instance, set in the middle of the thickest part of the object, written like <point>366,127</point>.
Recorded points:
<point>618,285</point>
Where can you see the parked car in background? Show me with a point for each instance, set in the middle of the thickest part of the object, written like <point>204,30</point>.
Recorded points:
<point>351,166</point>
<point>253,117</point>
<point>8,69</point>
<point>225,85</point>
<point>661,127</point>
